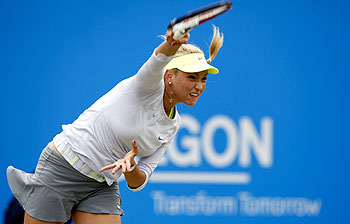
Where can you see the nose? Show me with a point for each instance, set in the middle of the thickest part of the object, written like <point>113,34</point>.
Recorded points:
<point>200,86</point>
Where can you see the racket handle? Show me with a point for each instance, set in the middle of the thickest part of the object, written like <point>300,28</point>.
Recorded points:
<point>178,34</point>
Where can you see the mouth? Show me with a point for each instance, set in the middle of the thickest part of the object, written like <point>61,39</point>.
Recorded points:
<point>194,95</point>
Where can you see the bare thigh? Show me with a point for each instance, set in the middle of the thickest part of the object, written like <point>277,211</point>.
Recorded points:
<point>80,217</point>
<point>30,220</point>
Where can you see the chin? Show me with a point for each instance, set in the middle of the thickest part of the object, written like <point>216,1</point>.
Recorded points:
<point>191,103</point>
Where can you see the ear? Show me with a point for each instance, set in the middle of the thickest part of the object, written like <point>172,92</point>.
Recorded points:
<point>168,75</point>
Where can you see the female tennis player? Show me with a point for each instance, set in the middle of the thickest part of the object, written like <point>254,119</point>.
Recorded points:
<point>76,175</point>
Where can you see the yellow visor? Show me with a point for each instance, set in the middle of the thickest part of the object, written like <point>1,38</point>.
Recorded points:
<point>191,63</point>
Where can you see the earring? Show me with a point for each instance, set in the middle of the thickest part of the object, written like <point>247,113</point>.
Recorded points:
<point>171,100</point>
<point>169,83</point>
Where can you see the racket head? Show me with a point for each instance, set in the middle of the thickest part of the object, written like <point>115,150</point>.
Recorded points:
<point>196,17</point>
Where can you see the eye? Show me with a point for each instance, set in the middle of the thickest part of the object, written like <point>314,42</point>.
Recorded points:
<point>192,77</point>
<point>204,78</point>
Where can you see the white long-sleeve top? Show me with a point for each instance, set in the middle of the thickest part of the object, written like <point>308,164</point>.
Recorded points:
<point>133,109</point>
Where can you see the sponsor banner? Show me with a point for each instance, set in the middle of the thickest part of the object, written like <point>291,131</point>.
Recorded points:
<point>206,175</point>
<point>241,204</point>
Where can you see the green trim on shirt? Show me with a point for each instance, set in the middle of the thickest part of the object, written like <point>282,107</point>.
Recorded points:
<point>172,112</point>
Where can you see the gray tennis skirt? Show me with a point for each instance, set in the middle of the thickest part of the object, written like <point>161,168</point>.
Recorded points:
<point>56,188</point>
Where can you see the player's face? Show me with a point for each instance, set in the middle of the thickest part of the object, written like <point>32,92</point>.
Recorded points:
<point>187,87</point>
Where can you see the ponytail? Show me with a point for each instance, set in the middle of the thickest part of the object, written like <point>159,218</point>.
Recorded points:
<point>216,43</point>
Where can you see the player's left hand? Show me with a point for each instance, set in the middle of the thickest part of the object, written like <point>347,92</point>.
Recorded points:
<point>125,163</point>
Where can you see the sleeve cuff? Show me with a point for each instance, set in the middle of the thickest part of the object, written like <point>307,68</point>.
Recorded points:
<point>162,57</point>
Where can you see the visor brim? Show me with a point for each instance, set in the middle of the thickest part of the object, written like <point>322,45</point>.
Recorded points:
<point>199,68</point>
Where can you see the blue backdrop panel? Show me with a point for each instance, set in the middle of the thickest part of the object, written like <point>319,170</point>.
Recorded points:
<point>266,143</point>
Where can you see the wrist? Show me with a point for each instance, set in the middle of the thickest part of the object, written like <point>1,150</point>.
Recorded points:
<point>132,167</point>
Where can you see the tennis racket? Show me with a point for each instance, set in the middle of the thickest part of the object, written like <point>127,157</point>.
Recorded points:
<point>180,25</point>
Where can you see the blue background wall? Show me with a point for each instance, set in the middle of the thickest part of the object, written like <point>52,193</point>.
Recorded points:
<point>285,61</point>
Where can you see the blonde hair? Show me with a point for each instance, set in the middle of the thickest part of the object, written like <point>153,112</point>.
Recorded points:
<point>215,45</point>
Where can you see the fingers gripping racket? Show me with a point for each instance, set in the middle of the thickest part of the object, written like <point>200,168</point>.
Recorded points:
<point>180,25</point>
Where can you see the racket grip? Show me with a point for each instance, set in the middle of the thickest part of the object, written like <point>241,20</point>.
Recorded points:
<point>178,34</point>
